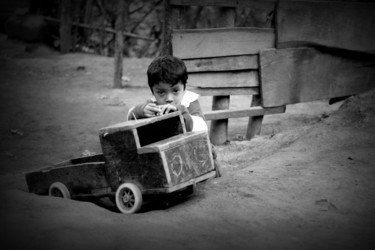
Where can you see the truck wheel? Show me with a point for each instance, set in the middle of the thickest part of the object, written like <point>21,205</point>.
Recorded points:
<point>128,198</point>
<point>58,189</point>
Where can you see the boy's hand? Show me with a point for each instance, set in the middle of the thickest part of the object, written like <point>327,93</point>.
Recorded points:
<point>151,110</point>
<point>167,108</point>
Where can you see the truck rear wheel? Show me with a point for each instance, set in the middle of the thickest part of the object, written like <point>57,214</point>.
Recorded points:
<point>58,189</point>
<point>128,198</point>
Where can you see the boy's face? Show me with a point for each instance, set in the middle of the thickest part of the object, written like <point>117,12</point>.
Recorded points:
<point>165,93</point>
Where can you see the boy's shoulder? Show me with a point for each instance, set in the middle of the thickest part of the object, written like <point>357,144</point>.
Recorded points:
<point>188,98</point>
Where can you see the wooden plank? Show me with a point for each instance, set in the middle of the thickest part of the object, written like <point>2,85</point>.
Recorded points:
<point>202,43</point>
<point>190,159</point>
<point>332,24</point>
<point>128,125</point>
<point>192,181</point>
<point>146,169</point>
<point>224,79</point>
<point>225,91</point>
<point>171,142</point>
<point>115,145</point>
<point>227,63</point>
<point>238,113</point>
<point>180,186</point>
<point>80,160</point>
<point>306,74</point>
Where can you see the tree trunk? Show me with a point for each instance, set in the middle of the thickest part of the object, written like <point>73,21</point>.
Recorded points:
<point>121,18</point>
<point>166,44</point>
<point>65,26</point>
<point>88,18</point>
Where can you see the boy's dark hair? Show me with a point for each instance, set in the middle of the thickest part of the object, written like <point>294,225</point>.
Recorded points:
<point>167,69</point>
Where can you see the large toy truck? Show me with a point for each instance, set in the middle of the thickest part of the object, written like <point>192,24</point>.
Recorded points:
<point>140,157</point>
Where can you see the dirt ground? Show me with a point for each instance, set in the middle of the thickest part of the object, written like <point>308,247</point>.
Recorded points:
<point>307,182</point>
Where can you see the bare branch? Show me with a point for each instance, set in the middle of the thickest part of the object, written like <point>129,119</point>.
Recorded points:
<point>144,17</point>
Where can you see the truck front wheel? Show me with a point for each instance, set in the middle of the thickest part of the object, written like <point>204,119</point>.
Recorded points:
<point>58,189</point>
<point>128,198</point>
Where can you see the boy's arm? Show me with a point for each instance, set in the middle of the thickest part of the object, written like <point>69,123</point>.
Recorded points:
<point>136,112</point>
<point>193,116</point>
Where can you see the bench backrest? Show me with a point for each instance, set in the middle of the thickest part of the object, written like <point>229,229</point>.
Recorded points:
<point>222,60</point>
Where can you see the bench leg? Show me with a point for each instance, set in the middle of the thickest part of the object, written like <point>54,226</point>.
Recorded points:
<point>255,122</point>
<point>219,128</point>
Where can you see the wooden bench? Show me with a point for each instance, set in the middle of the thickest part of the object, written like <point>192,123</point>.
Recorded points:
<point>307,58</point>
<point>221,62</point>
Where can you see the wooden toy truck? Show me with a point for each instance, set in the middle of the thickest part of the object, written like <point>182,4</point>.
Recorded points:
<point>149,156</point>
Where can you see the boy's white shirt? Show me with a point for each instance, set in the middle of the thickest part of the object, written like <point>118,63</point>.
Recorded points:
<point>199,123</point>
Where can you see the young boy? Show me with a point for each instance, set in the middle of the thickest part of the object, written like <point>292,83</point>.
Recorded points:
<point>167,78</point>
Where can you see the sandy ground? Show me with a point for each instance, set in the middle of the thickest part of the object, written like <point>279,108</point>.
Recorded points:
<point>307,182</point>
